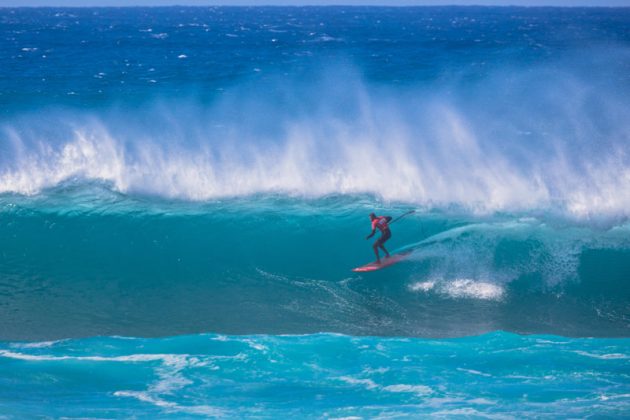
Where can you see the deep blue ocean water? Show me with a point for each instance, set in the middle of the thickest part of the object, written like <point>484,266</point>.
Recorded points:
<point>184,192</point>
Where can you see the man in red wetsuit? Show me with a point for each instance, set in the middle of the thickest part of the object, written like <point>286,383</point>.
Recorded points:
<point>380,223</point>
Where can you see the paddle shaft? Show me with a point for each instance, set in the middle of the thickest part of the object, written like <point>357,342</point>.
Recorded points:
<point>401,216</point>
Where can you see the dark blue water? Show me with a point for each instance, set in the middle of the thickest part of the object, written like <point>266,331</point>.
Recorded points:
<point>179,173</point>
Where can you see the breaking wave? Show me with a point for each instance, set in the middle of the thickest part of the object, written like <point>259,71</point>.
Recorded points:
<point>563,148</point>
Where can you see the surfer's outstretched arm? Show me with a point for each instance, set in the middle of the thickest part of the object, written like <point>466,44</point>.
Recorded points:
<point>371,234</point>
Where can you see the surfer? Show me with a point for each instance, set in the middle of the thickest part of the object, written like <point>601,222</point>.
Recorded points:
<point>381,223</point>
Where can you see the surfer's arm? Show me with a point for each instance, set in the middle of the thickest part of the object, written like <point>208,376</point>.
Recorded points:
<point>371,234</point>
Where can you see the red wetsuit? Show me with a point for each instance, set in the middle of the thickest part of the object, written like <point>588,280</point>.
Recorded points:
<point>381,224</point>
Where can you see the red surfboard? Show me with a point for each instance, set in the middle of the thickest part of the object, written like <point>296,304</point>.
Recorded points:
<point>385,262</point>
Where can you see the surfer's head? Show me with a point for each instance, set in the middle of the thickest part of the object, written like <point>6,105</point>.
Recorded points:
<point>372,216</point>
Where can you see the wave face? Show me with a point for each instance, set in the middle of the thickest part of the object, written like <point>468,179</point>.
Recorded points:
<point>83,262</point>
<point>498,375</point>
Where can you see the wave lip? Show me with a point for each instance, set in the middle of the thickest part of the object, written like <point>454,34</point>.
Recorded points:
<point>300,164</point>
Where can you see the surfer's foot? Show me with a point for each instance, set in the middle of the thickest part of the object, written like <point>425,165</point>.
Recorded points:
<point>378,262</point>
<point>387,256</point>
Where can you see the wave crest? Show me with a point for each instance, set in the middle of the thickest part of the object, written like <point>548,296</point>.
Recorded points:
<point>425,147</point>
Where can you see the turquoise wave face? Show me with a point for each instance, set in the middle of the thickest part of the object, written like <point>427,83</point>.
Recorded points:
<point>311,376</point>
<point>81,265</point>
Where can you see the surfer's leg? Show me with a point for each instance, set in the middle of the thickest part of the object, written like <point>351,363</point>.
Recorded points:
<point>375,247</point>
<point>382,241</point>
<point>384,250</point>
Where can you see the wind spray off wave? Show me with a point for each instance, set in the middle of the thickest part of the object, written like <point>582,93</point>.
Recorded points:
<point>428,148</point>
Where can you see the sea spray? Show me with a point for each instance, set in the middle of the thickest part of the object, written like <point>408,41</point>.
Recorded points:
<point>430,151</point>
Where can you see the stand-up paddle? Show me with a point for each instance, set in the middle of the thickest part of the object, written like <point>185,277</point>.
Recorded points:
<point>401,216</point>
<point>384,223</point>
